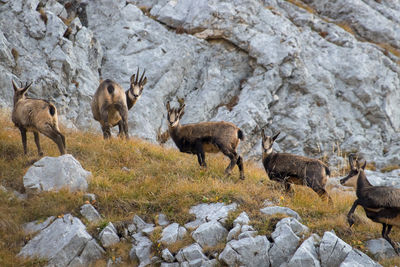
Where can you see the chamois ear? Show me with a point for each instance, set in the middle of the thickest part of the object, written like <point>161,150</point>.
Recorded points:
<point>351,161</point>
<point>168,107</point>
<point>14,86</point>
<point>144,81</point>
<point>275,136</point>
<point>133,79</point>
<point>262,134</point>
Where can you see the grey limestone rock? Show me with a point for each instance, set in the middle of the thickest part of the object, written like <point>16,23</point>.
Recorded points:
<point>108,236</point>
<point>210,212</point>
<point>380,248</point>
<point>90,213</point>
<point>242,219</point>
<point>333,250</point>
<point>141,249</point>
<point>172,233</point>
<point>280,210</point>
<point>210,233</point>
<point>356,258</point>
<point>167,255</point>
<point>65,242</point>
<point>33,227</point>
<point>191,253</point>
<point>284,246</point>
<point>51,173</point>
<point>306,254</point>
<point>246,252</point>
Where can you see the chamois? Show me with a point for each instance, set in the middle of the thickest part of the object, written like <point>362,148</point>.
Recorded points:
<point>381,203</point>
<point>289,168</point>
<point>37,116</point>
<point>110,104</point>
<point>213,137</point>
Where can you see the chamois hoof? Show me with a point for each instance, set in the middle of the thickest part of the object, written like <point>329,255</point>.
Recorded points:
<point>40,154</point>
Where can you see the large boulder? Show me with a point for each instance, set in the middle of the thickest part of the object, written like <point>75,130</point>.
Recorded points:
<point>210,234</point>
<point>65,242</point>
<point>380,248</point>
<point>90,213</point>
<point>141,249</point>
<point>191,253</point>
<point>333,250</point>
<point>246,252</point>
<point>55,173</point>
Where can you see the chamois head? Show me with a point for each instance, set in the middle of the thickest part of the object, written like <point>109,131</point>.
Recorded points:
<point>267,142</point>
<point>355,170</point>
<point>175,114</point>
<point>19,92</point>
<point>136,88</point>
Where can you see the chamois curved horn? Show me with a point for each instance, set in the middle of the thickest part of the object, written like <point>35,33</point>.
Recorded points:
<point>351,160</point>
<point>133,78</point>
<point>141,78</point>
<point>137,76</point>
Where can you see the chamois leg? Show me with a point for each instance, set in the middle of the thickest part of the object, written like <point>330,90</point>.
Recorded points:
<point>23,136</point>
<point>350,218</point>
<point>105,127</point>
<point>233,157</point>
<point>200,154</point>
<point>385,235</point>
<point>37,141</point>
<point>123,111</point>
<point>239,162</point>
<point>56,136</point>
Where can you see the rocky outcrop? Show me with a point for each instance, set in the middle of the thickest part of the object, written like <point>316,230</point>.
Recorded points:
<point>51,173</point>
<point>65,242</point>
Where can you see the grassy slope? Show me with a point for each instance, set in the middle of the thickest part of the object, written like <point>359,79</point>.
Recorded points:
<point>159,180</point>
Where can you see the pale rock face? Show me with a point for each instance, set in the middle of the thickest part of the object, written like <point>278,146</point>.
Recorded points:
<point>306,254</point>
<point>109,236</point>
<point>284,246</point>
<point>333,250</point>
<point>54,173</point>
<point>210,234</point>
<point>380,248</point>
<point>63,242</point>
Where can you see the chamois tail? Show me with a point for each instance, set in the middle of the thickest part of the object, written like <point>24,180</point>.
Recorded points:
<point>240,135</point>
<point>327,171</point>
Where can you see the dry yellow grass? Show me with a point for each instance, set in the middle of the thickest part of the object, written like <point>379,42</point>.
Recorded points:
<point>160,180</point>
<point>302,5</point>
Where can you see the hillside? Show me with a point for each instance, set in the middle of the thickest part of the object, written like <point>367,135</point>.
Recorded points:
<point>158,180</point>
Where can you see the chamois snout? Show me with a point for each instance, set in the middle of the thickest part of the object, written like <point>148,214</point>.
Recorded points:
<point>174,114</point>
<point>355,169</point>
<point>267,141</point>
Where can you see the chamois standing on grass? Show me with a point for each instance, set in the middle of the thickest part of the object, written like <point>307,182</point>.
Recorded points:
<point>110,103</point>
<point>213,137</point>
<point>37,116</point>
<point>289,168</point>
<point>381,203</point>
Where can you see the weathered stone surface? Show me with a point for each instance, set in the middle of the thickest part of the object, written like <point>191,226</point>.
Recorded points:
<point>172,233</point>
<point>142,225</point>
<point>284,246</point>
<point>298,228</point>
<point>333,250</point>
<point>306,254</point>
<point>141,249</point>
<point>108,236</point>
<point>162,220</point>
<point>246,252</point>
<point>167,255</point>
<point>51,173</point>
<point>234,232</point>
<point>280,210</point>
<point>210,212</point>
<point>191,253</point>
<point>210,234</point>
<point>65,241</point>
<point>380,249</point>
<point>356,258</point>
<point>33,227</point>
<point>90,213</point>
<point>242,219</point>
<point>172,264</point>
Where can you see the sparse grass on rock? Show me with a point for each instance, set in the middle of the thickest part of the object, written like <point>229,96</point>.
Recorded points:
<point>156,179</point>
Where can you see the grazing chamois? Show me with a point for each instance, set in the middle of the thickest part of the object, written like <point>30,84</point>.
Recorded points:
<point>213,137</point>
<point>110,104</point>
<point>289,168</point>
<point>381,203</point>
<point>37,116</point>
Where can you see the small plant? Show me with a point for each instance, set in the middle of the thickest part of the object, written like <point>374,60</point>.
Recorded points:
<point>43,15</point>
<point>15,54</point>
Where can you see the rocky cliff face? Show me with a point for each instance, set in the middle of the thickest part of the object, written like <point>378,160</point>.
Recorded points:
<point>324,73</point>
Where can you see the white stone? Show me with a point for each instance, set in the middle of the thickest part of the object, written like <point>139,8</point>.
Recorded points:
<point>380,249</point>
<point>190,253</point>
<point>246,252</point>
<point>33,227</point>
<point>90,213</point>
<point>141,249</point>
<point>210,212</point>
<point>284,246</point>
<point>167,255</point>
<point>242,219</point>
<point>333,250</point>
<point>306,254</point>
<point>162,220</point>
<point>172,233</point>
<point>108,236</point>
<point>64,241</point>
<point>280,210</point>
<point>298,228</point>
<point>209,234</point>
<point>51,173</point>
<point>234,232</point>
<point>356,258</point>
